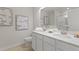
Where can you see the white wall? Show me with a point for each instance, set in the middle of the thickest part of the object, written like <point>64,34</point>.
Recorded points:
<point>8,35</point>
<point>36,17</point>
<point>74,19</point>
<point>51,19</point>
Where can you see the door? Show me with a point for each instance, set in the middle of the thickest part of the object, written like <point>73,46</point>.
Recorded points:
<point>39,44</point>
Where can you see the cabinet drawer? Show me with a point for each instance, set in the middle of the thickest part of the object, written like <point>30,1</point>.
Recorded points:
<point>66,46</point>
<point>49,40</point>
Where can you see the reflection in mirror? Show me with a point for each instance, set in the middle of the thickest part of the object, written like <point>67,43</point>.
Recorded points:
<point>74,19</point>
<point>68,18</point>
<point>63,18</point>
<point>48,17</point>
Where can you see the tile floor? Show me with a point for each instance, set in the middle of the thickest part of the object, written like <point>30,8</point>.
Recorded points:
<point>22,47</point>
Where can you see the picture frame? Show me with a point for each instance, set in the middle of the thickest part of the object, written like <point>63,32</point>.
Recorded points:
<point>6,16</point>
<point>21,22</point>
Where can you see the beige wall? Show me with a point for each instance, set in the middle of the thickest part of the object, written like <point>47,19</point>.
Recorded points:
<point>9,36</point>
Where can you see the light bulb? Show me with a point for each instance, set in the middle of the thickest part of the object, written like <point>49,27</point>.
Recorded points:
<point>68,8</point>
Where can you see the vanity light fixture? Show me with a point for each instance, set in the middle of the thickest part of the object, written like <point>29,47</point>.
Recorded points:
<point>68,8</point>
<point>66,12</point>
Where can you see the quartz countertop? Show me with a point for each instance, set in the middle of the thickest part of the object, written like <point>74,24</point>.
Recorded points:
<point>66,38</point>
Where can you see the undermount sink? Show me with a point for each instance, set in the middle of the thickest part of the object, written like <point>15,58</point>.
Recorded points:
<point>50,31</point>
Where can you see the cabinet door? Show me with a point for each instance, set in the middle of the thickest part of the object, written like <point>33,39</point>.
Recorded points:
<point>49,44</point>
<point>37,42</point>
<point>66,46</point>
<point>39,45</point>
<point>49,40</point>
<point>58,49</point>
<point>48,47</point>
<point>34,40</point>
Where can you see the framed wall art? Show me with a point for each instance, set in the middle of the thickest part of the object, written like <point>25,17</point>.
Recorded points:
<point>6,16</point>
<point>21,22</point>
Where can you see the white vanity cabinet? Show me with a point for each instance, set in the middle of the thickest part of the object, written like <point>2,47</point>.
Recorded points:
<point>37,42</point>
<point>48,47</point>
<point>41,42</point>
<point>64,46</point>
<point>34,41</point>
<point>48,44</point>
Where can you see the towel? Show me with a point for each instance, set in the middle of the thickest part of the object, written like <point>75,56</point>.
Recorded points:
<point>77,34</point>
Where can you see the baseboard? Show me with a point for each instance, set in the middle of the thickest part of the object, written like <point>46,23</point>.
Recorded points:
<point>11,46</point>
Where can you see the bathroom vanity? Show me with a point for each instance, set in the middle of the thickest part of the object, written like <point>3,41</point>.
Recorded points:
<point>43,41</point>
<point>64,19</point>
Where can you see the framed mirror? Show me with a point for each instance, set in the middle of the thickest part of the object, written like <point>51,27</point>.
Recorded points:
<point>63,18</point>
<point>48,17</point>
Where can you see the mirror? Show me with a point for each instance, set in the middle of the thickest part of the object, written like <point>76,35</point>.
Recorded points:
<point>73,19</point>
<point>48,17</point>
<point>63,18</point>
<point>67,18</point>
